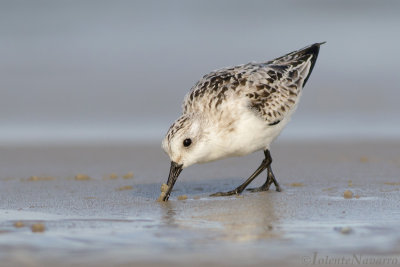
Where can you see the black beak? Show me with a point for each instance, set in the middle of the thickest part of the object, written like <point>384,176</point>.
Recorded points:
<point>174,172</point>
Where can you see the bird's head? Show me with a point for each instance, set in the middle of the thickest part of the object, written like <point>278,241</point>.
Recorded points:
<point>186,140</point>
<point>186,143</point>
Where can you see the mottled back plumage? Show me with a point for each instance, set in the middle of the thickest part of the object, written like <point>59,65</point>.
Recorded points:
<point>272,87</point>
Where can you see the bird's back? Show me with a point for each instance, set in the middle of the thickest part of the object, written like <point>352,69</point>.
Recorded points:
<point>270,89</point>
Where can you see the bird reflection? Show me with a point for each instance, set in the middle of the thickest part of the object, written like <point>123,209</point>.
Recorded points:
<point>247,218</point>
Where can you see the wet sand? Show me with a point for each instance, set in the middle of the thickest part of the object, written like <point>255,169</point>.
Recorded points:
<point>110,220</point>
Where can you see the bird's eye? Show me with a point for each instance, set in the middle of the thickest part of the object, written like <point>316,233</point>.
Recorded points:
<point>187,142</point>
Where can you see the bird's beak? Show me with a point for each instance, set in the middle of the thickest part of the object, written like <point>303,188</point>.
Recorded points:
<point>174,172</point>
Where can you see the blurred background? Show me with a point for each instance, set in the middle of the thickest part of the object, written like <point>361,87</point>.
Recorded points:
<point>117,71</point>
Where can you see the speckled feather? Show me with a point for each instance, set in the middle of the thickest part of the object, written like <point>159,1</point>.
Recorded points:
<point>272,88</point>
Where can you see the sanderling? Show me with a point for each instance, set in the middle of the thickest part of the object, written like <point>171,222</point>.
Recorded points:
<point>236,111</point>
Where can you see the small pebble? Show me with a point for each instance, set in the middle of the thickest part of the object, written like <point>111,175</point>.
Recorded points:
<point>164,189</point>
<point>344,230</point>
<point>38,228</point>
<point>82,177</point>
<point>33,178</point>
<point>129,175</point>
<point>183,197</point>
<point>126,187</point>
<point>40,178</point>
<point>19,224</point>
<point>113,176</point>
<point>348,194</point>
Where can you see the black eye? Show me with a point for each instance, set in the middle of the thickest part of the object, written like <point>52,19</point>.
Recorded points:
<point>187,142</point>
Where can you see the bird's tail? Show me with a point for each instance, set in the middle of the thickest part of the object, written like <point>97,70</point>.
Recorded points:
<point>295,58</point>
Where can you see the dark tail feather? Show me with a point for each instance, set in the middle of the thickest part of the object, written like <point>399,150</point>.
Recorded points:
<point>312,50</point>
<point>300,56</point>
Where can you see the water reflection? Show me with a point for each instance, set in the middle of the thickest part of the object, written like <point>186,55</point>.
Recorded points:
<point>247,218</point>
<point>168,214</point>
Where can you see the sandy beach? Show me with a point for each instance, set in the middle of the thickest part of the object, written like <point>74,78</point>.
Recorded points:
<point>90,88</point>
<point>106,217</point>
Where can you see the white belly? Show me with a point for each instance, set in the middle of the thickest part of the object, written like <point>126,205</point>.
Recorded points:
<point>250,133</point>
<point>253,134</point>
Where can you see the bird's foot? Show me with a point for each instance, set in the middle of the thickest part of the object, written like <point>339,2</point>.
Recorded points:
<point>258,189</point>
<point>264,188</point>
<point>223,194</point>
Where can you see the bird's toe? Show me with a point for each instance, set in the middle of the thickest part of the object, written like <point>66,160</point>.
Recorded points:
<point>222,194</point>
<point>258,189</point>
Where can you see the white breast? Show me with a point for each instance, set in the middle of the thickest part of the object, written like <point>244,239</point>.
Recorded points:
<point>253,134</point>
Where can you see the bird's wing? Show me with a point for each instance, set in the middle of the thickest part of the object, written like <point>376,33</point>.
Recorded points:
<point>272,88</point>
<point>298,57</point>
<point>277,84</point>
<point>211,91</point>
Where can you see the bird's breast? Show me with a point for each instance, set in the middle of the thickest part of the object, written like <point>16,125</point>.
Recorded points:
<point>248,133</point>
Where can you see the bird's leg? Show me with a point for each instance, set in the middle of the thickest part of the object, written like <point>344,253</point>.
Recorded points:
<point>264,165</point>
<point>265,187</point>
<point>270,178</point>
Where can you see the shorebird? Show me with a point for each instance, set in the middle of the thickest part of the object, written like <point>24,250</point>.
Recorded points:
<point>236,111</point>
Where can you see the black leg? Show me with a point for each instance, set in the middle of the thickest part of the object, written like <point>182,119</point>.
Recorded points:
<point>270,178</point>
<point>264,165</point>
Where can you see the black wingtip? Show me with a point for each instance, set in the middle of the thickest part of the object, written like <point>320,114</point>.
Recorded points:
<point>314,51</point>
<point>311,49</point>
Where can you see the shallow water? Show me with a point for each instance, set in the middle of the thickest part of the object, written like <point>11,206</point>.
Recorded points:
<point>92,222</point>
